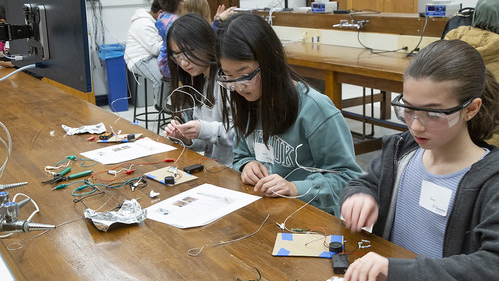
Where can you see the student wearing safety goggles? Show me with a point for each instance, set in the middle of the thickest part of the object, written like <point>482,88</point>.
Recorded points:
<point>290,140</point>
<point>435,189</point>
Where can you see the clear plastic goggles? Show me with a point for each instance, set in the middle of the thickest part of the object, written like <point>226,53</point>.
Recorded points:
<point>240,83</point>
<point>179,57</point>
<point>431,119</point>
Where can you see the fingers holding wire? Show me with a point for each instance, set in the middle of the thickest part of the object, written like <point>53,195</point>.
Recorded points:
<point>252,172</point>
<point>171,130</point>
<point>190,129</point>
<point>274,186</point>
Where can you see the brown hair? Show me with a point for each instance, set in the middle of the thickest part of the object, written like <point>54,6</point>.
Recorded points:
<point>457,61</point>
<point>199,7</point>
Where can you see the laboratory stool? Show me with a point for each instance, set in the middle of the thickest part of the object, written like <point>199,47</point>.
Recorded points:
<point>149,115</point>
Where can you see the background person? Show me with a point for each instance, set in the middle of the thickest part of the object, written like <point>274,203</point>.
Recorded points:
<point>173,9</point>
<point>143,44</point>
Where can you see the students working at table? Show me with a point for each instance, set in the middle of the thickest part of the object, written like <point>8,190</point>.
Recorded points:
<point>191,59</point>
<point>282,125</point>
<point>435,189</point>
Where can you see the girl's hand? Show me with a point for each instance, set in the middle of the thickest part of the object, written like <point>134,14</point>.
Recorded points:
<point>253,171</point>
<point>227,13</point>
<point>358,211</point>
<point>220,9</point>
<point>190,129</point>
<point>172,131</point>
<point>275,185</point>
<point>370,267</point>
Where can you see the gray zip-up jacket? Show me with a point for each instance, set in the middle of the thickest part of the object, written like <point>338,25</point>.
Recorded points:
<point>471,242</point>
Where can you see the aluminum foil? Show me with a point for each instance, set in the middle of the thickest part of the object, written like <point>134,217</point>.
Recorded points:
<point>92,129</point>
<point>130,212</point>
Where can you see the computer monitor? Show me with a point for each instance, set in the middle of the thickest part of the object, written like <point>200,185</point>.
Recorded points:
<point>64,39</point>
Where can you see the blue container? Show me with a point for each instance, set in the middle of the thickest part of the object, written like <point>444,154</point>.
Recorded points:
<point>114,64</point>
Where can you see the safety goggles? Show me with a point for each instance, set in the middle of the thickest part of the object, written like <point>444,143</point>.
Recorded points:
<point>179,57</point>
<point>430,118</point>
<point>239,83</point>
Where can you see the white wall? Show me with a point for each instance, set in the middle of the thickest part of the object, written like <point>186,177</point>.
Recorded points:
<point>253,4</point>
<point>116,16</point>
<point>468,3</point>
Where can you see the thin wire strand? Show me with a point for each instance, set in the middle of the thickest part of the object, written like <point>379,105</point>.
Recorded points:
<point>420,39</point>
<point>283,225</point>
<point>18,70</point>
<point>192,253</point>
<point>20,244</point>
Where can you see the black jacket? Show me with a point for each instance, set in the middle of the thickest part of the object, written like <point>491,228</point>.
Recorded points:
<point>471,242</point>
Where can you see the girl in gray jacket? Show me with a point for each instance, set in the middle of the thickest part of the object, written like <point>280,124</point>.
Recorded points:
<point>435,189</point>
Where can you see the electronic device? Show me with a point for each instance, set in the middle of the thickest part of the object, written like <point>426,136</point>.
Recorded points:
<point>341,12</point>
<point>340,263</point>
<point>194,168</point>
<point>422,6</point>
<point>324,7</point>
<point>52,32</point>
<point>442,9</point>
<point>169,180</point>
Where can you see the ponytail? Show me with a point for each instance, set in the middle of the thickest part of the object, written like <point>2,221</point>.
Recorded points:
<point>486,122</point>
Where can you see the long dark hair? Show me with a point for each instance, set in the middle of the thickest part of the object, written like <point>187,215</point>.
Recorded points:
<point>247,37</point>
<point>196,39</point>
<point>457,61</point>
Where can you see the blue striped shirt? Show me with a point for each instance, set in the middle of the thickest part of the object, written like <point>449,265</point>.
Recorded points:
<point>415,227</point>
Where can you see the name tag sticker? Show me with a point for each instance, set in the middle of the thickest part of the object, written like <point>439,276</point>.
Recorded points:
<point>435,198</point>
<point>264,154</point>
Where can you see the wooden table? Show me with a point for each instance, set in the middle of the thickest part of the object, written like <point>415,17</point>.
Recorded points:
<point>34,111</point>
<point>338,65</point>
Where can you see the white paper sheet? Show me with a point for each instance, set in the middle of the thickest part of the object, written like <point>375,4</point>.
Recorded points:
<point>127,151</point>
<point>199,206</point>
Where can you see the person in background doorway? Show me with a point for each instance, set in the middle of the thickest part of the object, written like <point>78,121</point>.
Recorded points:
<point>143,45</point>
<point>290,139</point>
<point>435,189</point>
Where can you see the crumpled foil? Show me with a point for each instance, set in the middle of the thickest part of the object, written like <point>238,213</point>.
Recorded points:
<point>130,212</point>
<point>92,129</point>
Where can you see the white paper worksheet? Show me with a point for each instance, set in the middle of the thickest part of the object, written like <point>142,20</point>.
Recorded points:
<point>199,206</point>
<point>127,151</point>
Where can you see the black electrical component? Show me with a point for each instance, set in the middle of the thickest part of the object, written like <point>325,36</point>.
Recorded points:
<point>340,263</point>
<point>130,137</point>
<point>341,12</point>
<point>194,168</point>
<point>336,247</point>
<point>169,180</point>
